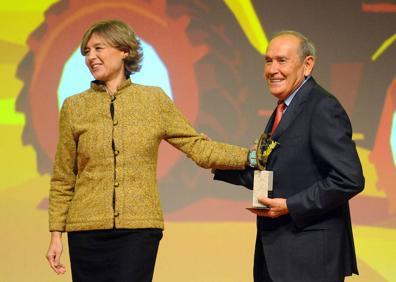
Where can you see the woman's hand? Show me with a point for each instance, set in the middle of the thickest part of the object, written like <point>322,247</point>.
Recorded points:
<point>206,137</point>
<point>55,251</point>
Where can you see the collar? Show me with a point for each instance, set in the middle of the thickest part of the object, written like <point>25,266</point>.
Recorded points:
<point>290,98</point>
<point>100,86</point>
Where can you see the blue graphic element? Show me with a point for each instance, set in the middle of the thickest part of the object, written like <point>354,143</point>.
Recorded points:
<point>393,138</point>
<point>154,71</point>
<point>76,76</point>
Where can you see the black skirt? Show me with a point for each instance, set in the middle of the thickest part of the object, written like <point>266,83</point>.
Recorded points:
<point>115,255</point>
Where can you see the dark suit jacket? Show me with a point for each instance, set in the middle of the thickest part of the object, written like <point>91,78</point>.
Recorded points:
<point>317,169</point>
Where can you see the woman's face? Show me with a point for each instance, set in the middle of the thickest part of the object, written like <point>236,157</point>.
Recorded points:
<point>105,62</point>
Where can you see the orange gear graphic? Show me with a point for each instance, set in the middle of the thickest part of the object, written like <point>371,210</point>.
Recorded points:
<point>52,43</point>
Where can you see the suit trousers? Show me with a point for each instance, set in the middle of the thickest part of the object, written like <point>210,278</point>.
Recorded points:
<point>114,255</point>
<point>260,270</point>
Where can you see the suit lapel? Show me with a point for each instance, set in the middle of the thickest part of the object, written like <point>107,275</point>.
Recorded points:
<point>270,122</point>
<point>294,109</point>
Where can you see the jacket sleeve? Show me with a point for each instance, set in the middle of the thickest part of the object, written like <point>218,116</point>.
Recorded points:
<point>236,177</point>
<point>337,159</point>
<point>64,172</point>
<point>207,154</point>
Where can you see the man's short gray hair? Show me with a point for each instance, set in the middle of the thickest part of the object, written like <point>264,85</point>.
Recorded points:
<point>307,48</point>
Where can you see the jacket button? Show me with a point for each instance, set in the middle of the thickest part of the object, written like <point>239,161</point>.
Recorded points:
<point>115,122</point>
<point>116,152</point>
<point>116,184</point>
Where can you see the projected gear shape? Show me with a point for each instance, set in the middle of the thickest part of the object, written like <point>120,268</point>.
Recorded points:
<point>56,39</point>
<point>212,67</point>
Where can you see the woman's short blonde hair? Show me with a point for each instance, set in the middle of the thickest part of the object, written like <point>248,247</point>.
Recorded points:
<point>119,35</point>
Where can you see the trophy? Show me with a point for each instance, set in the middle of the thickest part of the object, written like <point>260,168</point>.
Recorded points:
<point>263,179</point>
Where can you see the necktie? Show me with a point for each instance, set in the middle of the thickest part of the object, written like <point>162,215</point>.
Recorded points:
<point>279,112</point>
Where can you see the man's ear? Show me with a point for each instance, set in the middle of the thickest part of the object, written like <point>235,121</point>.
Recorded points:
<point>309,63</point>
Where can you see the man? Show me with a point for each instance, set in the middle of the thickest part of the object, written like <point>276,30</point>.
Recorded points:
<point>306,235</point>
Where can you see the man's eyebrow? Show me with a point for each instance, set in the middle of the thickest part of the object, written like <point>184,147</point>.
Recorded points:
<point>275,57</point>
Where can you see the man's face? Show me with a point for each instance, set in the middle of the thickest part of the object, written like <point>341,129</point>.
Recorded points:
<point>284,70</point>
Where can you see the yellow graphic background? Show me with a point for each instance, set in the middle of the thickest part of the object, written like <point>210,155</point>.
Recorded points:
<point>189,251</point>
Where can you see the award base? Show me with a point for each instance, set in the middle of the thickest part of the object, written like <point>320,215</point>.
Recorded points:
<point>262,186</point>
<point>258,209</point>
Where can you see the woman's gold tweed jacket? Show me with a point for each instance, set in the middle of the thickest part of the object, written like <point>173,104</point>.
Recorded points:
<point>94,186</point>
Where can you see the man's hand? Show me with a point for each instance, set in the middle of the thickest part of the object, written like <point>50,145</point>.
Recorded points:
<point>277,207</point>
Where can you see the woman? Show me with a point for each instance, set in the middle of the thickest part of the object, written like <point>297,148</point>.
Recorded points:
<point>104,188</point>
